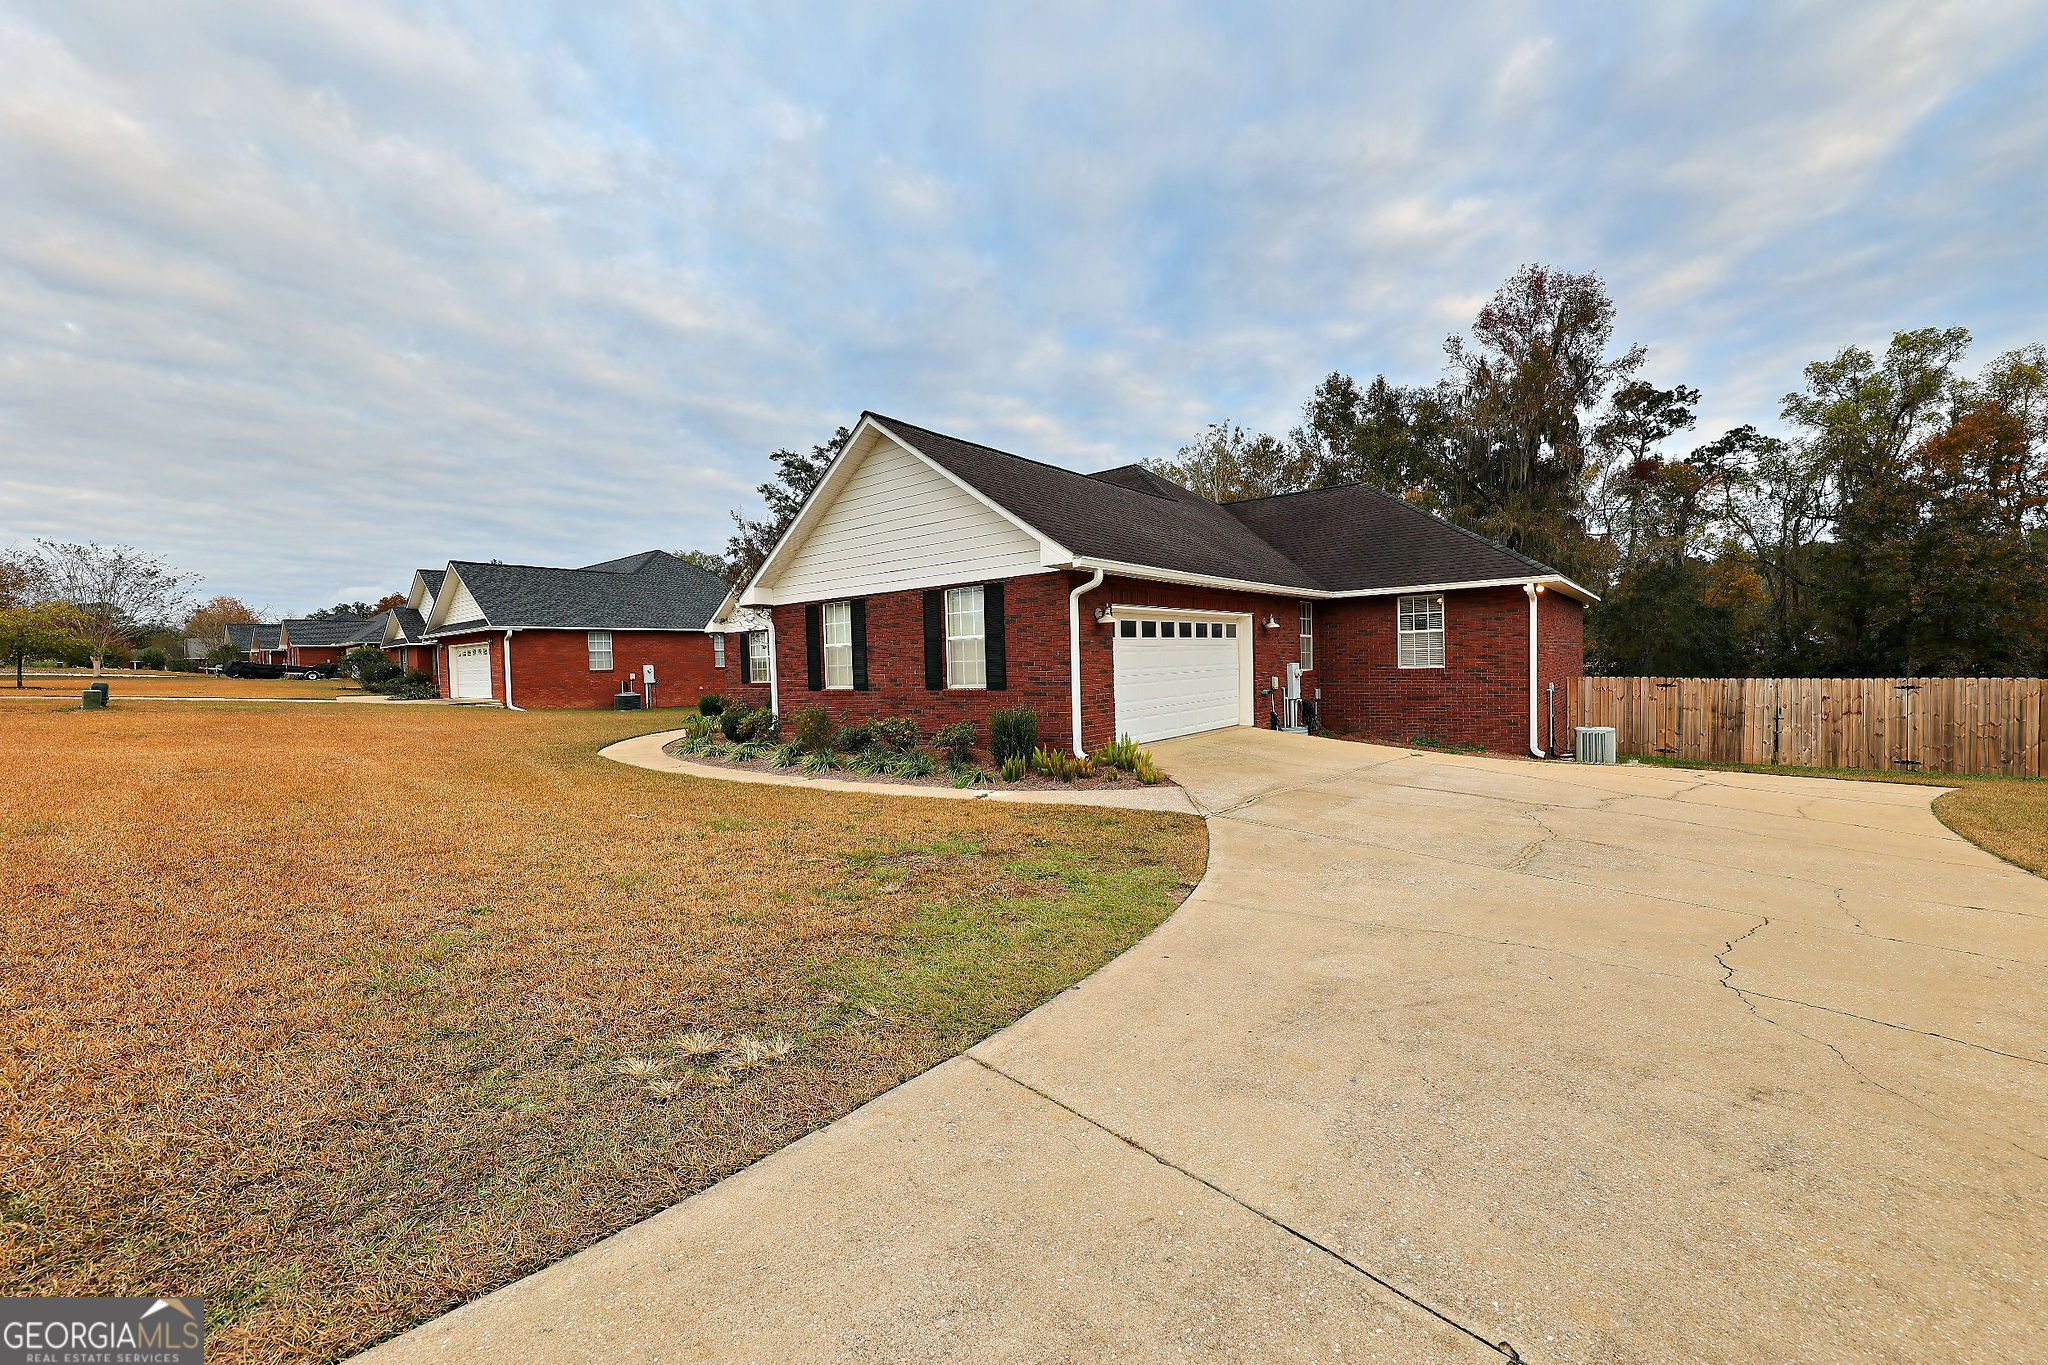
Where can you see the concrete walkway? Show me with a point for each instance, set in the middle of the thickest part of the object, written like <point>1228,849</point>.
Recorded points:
<point>649,751</point>
<point>1612,1064</point>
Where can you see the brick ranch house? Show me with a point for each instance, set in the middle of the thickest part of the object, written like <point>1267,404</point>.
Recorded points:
<point>939,579</point>
<point>305,641</point>
<point>404,639</point>
<point>256,643</point>
<point>532,637</point>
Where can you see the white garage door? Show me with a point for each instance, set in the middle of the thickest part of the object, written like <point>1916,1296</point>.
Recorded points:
<point>1176,675</point>
<point>471,667</point>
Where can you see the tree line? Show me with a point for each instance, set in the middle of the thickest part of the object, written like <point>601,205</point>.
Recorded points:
<point>1899,526</point>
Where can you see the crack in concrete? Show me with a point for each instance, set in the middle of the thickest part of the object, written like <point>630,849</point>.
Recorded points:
<point>1503,1349</point>
<point>1728,981</point>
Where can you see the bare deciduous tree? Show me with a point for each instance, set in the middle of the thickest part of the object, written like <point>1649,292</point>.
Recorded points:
<point>115,589</point>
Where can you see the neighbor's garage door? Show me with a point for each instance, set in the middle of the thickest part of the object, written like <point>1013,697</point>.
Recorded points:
<point>1175,676</point>
<point>471,667</point>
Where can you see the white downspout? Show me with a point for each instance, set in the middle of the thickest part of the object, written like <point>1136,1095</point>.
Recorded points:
<point>508,672</point>
<point>774,671</point>
<point>1074,651</point>
<point>1534,591</point>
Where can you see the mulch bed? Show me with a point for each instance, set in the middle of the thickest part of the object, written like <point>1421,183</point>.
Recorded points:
<point>1106,779</point>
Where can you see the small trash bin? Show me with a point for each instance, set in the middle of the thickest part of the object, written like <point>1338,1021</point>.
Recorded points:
<point>626,701</point>
<point>94,698</point>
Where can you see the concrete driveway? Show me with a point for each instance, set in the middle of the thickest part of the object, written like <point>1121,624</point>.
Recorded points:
<point>1610,1064</point>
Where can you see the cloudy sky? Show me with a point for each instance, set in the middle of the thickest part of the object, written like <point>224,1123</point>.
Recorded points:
<point>302,296</point>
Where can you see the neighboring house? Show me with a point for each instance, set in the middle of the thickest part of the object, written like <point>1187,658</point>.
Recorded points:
<point>257,643</point>
<point>309,640</point>
<point>936,578</point>
<point>535,637</point>
<point>404,637</point>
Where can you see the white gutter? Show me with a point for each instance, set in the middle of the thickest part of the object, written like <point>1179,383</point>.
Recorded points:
<point>774,672</point>
<point>1074,651</point>
<point>508,676</point>
<point>1534,590</point>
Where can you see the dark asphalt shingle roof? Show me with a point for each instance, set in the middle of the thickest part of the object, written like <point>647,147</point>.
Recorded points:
<point>245,636</point>
<point>325,630</point>
<point>432,578</point>
<point>652,590</point>
<point>411,624</point>
<point>1345,539</point>
<point>1354,537</point>
<point>1166,527</point>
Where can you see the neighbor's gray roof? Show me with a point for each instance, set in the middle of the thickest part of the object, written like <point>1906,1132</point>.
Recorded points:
<point>245,637</point>
<point>411,623</point>
<point>1345,539</point>
<point>651,590</point>
<point>325,630</point>
<point>432,578</point>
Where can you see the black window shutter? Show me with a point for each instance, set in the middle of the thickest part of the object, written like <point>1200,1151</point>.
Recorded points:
<point>859,613</point>
<point>935,640</point>
<point>814,646</point>
<point>994,647</point>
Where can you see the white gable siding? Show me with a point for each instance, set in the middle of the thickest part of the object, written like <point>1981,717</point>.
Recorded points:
<point>898,523</point>
<point>460,607</point>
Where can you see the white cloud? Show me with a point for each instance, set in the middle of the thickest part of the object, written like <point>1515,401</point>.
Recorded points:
<point>302,296</point>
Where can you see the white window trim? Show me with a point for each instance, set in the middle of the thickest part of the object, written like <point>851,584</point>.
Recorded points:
<point>1308,637</point>
<point>590,646</point>
<point>718,651</point>
<point>981,610</point>
<point>1433,658</point>
<point>827,648</point>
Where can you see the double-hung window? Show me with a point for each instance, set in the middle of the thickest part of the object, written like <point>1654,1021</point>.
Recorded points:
<point>1308,636</point>
<point>966,638</point>
<point>757,656</point>
<point>1421,631</point>
<point>600,644</point>
<point>837,619</point>
<point>718,651</point>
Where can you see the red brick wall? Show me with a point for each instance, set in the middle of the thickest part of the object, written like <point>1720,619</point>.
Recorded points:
<point>729,682</point>
<point>305,656</point>
<point>1272,650</point>
<point>1480,695</point>
<point>551,669</point>
<point>1035,634</point>
<point>411,656</point>
<point>446,670</point>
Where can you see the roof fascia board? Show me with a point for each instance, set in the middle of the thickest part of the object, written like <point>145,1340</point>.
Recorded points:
<point>1050,552</point>
<point>1126,570</point>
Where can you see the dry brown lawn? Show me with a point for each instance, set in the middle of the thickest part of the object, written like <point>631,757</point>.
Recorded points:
<point>340,1015</point>
<point>122,683</point>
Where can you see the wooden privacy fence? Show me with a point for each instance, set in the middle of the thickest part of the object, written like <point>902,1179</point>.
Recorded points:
<point>1942,725</point>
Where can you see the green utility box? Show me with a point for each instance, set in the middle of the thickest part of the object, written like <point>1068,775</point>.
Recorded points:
<point>94,698</point>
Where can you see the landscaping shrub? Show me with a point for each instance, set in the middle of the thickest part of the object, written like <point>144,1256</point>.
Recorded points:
<point>785,756</point>
<point>1063,767</point>
<point>813,730</point>
<point>737,724</point>
<point>819,761</point>
<point>1012,732</point>
<point>855,738</point>
<point>1145,771</point>
<point>412,685</point>
<point>912,763</point>
<point>893,732</point>
<point>153,658</point>
<point>1120,753</point>
<point>1014,768</point>
<point>957,740</point>
<point>710,704</point>
<point>869,762</point>
<point>368,666</point>
<point>767,726</point>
